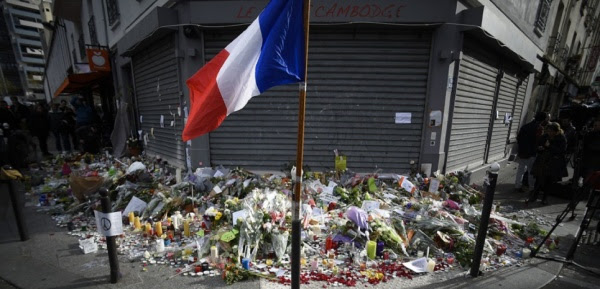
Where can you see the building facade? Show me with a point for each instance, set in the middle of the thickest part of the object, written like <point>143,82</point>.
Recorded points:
<point>24,71</point>
<point>391,84</point>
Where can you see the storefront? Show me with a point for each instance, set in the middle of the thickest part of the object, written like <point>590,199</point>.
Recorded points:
<point>379,88</point>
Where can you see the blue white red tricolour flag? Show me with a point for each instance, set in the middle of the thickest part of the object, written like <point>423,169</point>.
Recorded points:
<point>268,53</point>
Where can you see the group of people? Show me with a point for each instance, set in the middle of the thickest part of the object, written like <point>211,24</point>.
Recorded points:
<point>60,120</point>
<point>545,149</point>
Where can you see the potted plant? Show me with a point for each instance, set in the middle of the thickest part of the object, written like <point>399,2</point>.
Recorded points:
<point>134,146</point>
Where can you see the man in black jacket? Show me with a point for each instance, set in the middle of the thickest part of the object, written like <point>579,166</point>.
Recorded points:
<point>527,145</point>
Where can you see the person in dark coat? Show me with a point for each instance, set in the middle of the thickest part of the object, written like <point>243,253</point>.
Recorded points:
<point>590,161</point>
<point>39,125</point>
<point>7,116</point>
<point>527,140</point>
<point>20,111</point>
<point>549,166</point>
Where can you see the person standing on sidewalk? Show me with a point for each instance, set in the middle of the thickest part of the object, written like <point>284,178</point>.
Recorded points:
<point>549,166</point>
<point>39,125</point>
<point>60,128</point>
<point>527,140</point>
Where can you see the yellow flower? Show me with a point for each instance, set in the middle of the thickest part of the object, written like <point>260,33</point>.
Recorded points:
<point>218,216</point>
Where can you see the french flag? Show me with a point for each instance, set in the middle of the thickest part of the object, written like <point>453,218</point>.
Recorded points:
<point>268,53</point>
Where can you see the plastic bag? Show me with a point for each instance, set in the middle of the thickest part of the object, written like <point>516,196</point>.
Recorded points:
<point>280,241</point>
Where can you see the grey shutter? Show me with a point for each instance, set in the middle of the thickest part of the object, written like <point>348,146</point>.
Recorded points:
<point>157,92</point>
<point>505,102</point>
<point>358,78</point>
<point>473,103</point>
<point>518,111</point>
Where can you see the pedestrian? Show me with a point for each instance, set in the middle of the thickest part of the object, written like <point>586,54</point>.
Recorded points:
<point>549,166</point>
<point>83,110</point>
<point>7,116</point>
<point>39,125</point>
<point>59,130</point>
<point>570,135</point>
<point>20,111</point>
<point>68,125</point>
<point>590,160</point>
<point>527,140</point>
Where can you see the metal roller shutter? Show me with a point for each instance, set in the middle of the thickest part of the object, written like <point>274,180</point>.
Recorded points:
<point>475,91</point>
<point>518,111</point>
<point>158,94</point>
<point>358,78</point>
<point>504,105</point>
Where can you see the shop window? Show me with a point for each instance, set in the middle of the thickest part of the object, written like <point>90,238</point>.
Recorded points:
<point>542,17</point>
<point>112,9</point>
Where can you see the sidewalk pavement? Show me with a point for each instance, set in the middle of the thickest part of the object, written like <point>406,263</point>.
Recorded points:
<point>52,259</point>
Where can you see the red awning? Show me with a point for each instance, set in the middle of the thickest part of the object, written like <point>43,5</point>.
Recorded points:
<point>75,82</point>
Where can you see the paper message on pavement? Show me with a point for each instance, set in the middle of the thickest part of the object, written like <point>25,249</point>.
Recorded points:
<point>88,246</point>
<point>135,205</point>
<point>109,224</point>
<point>434,184</point>
<point>370,205</point>
<point>417,266</point>
<point>239,215</point>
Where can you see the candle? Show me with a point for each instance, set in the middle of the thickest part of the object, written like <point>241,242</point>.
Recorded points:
<point>148,229</point>
<point>269,262</point>
<point>419,254</point>
<point>245,263</point>
<point>158,229</point>
<point>302,261</point>
<point>430,265</point>
<point>131,217</point>
<point>214,253</point>
<point>371,249</point>
<point>427,252</point>
<point>186,228</point>
<point>526,253</point>
<point>386,255</point>
<point>328,243</point>
<point>380,247</point>
<point>136,223</point>
<point>314,265</point>
<point>160,246</point>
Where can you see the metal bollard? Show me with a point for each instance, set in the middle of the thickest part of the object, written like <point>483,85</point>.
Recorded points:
<point>485,218</point>
<point>18,210</point>
<point>110,241</point>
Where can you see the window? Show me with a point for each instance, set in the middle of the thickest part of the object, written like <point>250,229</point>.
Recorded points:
<point>542,17</point>
<point>92,30</point>
<point>81,44</point>
<point>112,9</point>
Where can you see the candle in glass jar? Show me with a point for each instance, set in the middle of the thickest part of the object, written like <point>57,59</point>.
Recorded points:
<point>371,249</point>
<point>136,223</point>
<point>131,218</point>
<point>186,228</point>
<point>158,229</point>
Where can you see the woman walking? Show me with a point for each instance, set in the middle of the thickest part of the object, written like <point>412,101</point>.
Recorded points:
<point>549,166</point>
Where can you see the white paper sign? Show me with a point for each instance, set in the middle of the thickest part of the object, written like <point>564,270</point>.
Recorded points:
<point>88,246</point>
<point>109,224</point>
<point>217,189</point>
<point>370,205</point>
<point>328,198</point>
<point>417,266</point>
<point>403,117</point>
<point>434,184</point>
<point>135,205</point>
<point>239,215</point>
<point>407,185</point>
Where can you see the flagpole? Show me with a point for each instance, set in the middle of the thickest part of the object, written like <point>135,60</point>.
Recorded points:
<point>296,228</point>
